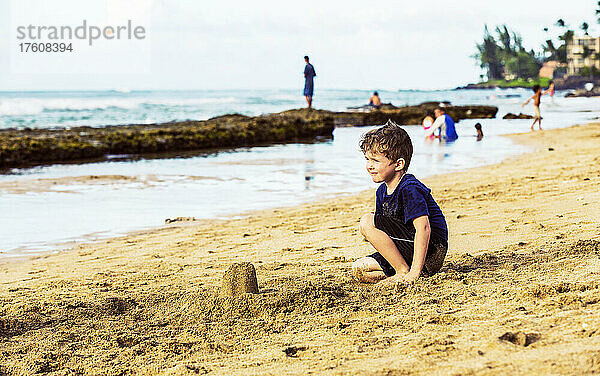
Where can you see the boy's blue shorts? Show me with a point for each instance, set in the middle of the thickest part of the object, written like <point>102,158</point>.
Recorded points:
<point>403,236</point>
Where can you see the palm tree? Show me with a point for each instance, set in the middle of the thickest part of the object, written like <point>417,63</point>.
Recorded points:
<point>549,47</point>
<point>587,52</point>
<point>504,38</point>
<point>567,36</point>
<point>584,26</point>
<point>488,55</point>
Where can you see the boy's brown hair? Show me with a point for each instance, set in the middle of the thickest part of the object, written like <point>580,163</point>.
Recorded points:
<point>390,140</point>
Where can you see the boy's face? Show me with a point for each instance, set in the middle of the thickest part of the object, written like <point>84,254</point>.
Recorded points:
<point>381,168</point>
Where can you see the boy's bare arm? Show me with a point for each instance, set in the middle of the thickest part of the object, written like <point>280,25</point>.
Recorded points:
<point>527,102</point>
<point>423,231</point>
<point>436,124</point>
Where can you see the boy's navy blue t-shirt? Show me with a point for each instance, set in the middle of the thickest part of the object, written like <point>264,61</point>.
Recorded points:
<point>412,199</point>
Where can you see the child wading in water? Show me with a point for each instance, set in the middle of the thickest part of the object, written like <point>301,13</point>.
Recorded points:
<point>408,229</point>
<point>536,105</point>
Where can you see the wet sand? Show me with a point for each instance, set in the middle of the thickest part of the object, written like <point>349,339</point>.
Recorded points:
<point>519,292</point>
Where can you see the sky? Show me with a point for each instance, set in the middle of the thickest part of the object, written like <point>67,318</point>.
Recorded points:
<point>201,45</point>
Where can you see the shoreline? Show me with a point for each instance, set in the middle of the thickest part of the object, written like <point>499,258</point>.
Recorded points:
<point>524,259</point>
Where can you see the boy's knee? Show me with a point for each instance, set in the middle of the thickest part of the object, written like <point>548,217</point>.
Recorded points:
<point>367,222</point>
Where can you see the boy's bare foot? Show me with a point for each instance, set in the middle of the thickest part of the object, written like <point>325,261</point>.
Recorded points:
<point>367,270</point>
<point>362,274</point>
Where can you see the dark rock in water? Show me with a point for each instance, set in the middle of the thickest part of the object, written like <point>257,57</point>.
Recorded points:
<point>410,115</point>
<point>519,116</point>
<point>21,148</point>
<point>240,279</point>
<point>367,107</point>
<point>595,92</point>
<point>180,219</point>
<point>574,82</point>
<point>445,103</point>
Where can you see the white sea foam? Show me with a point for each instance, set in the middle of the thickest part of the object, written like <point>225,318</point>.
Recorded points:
<point>31,106</point>
<point>191,101</point>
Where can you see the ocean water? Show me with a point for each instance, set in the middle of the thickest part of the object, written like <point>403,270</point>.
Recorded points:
<point>100,108</point>
<point>53,207</point>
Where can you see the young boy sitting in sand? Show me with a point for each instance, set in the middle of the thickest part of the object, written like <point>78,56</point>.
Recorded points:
<point>408,229</point>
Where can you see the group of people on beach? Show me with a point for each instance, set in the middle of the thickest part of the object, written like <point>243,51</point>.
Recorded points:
<point>408,229</point>
<point>438,120</point>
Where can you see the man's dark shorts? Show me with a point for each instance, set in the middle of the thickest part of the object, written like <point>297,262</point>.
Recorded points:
<point>308,88</point>
<point>403,236</point>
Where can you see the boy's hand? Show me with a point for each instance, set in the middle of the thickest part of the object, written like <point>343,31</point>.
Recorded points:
<point>410,278</point>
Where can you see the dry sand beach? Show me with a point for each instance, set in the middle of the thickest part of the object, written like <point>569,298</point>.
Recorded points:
<point>519,292</point>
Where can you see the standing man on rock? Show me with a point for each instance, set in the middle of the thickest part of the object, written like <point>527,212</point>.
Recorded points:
<point>309,74</point>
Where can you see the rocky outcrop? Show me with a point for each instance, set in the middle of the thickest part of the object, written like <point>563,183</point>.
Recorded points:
<point>519,116</point>
<point>595,92</point>
<point>574,82</point>
<point>20,148</point>
<point>411,115</point>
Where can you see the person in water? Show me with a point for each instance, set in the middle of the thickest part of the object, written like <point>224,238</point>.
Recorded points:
<point>550,90</point>
<point>427,123</point>
<point>445,124</point>
<point>479,131</point>
<point>309,75</point>
<point>375,101</point>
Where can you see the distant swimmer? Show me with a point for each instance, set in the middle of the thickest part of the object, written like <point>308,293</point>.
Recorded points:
<point>375,101</point>
<point>550,90</point>
<point>309,74</point>
<point>479,131</point>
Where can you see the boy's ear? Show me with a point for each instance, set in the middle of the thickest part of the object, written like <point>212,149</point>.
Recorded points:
<point>400,164</point>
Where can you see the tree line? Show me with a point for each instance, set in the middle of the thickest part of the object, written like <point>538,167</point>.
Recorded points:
<point>502,55</point>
